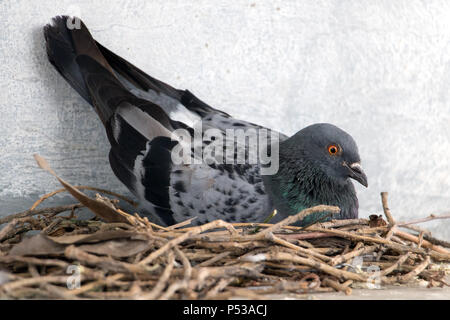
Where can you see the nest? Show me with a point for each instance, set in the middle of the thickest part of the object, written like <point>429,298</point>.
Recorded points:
<point>117,255</point>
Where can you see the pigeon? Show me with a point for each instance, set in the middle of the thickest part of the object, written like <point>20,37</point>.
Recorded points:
<point>148,121</point>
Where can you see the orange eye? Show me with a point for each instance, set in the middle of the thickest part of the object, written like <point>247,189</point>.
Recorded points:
<point>333,149</point>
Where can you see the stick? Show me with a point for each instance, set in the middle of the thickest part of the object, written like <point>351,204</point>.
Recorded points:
<point>184,237</point>
<point>270,236</point>
<point>96,284</point>
<point>51,194</point>
<point>344,222</point>
<point>10,227</point>
<point>416,228</point>
<point>307,235</point>
<point>221,284</point>
<point>403,248</point>
<point>438,242</point>
<point>181,224</point>
<point>357,251</point>
<point>28,213</point>
<point>214,259</point>
<point>33,281</point>
<point>180,284</point>
<point>394,266</point>
<point>407,277</point>
<point>108,263</point>
<point>309,262</point>
<point>386,210</point>
<point>293,219</point>
<point>425,243</point>
<point>162,281</point>
<point>337,286</point>
<point>429,218</point>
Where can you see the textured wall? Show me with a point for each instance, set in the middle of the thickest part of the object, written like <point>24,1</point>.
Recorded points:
<point>378,69</point>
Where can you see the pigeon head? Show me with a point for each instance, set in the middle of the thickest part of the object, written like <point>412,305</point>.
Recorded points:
<point>316,166</point>
<point>330,150</point>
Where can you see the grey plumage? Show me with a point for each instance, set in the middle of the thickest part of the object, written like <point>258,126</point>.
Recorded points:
<point>141,116</point>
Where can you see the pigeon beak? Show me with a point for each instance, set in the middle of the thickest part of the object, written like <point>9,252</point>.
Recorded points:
<point>357,173</point>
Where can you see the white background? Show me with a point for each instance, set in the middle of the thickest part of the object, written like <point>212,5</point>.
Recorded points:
<point>378,69</point>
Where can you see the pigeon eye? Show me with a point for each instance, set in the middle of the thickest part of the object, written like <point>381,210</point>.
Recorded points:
<point>333,149</point>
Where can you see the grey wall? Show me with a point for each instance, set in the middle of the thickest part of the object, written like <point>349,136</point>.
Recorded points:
<point>378,69</point>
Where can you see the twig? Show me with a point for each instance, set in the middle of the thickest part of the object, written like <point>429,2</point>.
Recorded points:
<point>221,284</point>
<point>309,262</point>
<point>394,266</point>
<point>386,210</point>
<point>438,242</point>
<point>403,248</point>
<point>297,217</point>
<point>310,253</point>
<point>10,229</point>
<point>43,211</point>
<point>337,286</point>
<point>344,223</point>
<point>306,235</point>
<point>181,224</point>
<point>214,259</point>
<point>184,284</point>
<point>51,194</point>
<point>429,218</point>
<point>95,284</point>
<point>34,261</point>
<point>184,237</point>
<point>425,243</point>
<point>416,228</point>
<point>108,263</point>
<point>357,251</point>
<point>407,277</point>
<point>162,281</point>
<point>33,281</point>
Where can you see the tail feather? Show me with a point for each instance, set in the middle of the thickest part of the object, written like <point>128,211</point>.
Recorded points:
<point>106,92</point>
<point>62,54</point>
<point>74,53</point>
<point>136,76</point>
<point>146,82</point>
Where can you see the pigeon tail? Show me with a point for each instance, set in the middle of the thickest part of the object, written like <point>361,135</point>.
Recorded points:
<point>145,83</point>
<point>74,53</point>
